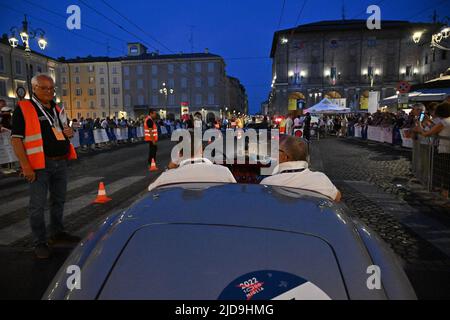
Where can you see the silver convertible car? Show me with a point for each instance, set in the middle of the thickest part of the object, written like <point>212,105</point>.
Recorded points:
<point>208,241</point>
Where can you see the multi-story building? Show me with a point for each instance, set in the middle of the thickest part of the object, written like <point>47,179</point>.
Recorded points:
<point>164,82</point>
<point>345,60</point>
<point>91,87</point>
<point>264,107</point>
<point>97,87</point>
<point>13,70</point>
<point>237,100</point>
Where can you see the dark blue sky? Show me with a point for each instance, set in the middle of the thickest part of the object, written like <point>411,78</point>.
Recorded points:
<point>234,29</point>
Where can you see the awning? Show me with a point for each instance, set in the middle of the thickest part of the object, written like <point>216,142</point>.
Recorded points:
<point>434,94</point>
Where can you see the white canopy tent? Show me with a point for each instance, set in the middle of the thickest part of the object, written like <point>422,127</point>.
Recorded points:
<point>326,106</point>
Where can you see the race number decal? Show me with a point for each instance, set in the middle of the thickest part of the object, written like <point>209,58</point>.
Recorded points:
<point>272,285</point>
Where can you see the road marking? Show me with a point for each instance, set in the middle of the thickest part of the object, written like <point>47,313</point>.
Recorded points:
<point>21,229</point>
<point>22,202</point>
<point>20,188</point>
<point>6,180</point>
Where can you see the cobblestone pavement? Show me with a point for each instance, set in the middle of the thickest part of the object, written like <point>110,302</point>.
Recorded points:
<point>379,188</point>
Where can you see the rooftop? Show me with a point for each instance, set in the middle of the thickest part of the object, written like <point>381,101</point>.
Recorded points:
<point>145,56</point>
<point>156,56</point>
<point>343,25</point>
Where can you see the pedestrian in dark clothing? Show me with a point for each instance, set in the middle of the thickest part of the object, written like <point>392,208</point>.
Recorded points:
<point>307,126</point>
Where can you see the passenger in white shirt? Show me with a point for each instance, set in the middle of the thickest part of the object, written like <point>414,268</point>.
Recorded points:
<point>293,171</point>
<point>195,169</point>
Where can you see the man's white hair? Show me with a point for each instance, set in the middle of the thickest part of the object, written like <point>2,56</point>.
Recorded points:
<point>35,79</point>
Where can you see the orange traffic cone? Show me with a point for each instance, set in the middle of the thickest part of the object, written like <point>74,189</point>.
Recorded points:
<point>153,166</point>
<point>101,196</point>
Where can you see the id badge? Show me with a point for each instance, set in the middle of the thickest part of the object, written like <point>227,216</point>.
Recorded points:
<point>58,134</point>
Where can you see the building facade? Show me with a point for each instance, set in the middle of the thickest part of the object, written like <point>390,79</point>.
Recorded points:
<point>344,60</point>
<point>92,87</point>
<point>237,101</point>
<point>264,107</point>
<point>98,87</point>
<point>165,82</point>
<point>13,71</point>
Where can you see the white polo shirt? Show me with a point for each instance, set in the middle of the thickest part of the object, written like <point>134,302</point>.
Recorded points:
<point>202,170</point>
<point>444,144</point>
<point>295,174</point>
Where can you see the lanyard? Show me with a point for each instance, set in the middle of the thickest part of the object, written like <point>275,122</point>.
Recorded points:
<point>47,116</point>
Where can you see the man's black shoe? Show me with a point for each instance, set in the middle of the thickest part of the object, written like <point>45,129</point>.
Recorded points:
<point>42,251</point>
<point>63,238</point>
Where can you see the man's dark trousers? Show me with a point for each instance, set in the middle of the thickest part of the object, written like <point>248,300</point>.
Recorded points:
<point>152,148</point>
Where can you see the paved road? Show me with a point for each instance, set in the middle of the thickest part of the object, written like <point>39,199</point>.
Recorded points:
<point>124,171</point>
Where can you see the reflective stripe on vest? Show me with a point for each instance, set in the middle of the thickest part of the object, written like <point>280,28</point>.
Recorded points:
<point>150,134</point>
<point>34,150</point>
<point>33,138</point>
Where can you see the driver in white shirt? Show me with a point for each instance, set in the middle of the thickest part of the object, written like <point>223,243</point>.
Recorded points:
<point>194,169</point>
<point>293,171</point>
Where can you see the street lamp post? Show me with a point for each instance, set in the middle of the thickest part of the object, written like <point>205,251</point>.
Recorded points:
<point>315,94</point>
<point>26,34</point>
<point>166,91</point>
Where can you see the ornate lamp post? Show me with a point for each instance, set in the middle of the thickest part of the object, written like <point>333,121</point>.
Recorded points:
<point>26,34</point>
<point>166,91</point>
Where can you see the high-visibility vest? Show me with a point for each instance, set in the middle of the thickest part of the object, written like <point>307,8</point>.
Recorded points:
<point>283,127</point>
<point>33,143</point>
<point>150,134</point>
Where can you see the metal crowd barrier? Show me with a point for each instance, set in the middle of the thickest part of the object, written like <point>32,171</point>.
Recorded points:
<point>422,156</point>
<point>431,162</point>
<point>440,164</point>
<point>83,138</point>
<point>391,135</point>
<point>430,156</point>
<point>94,137</point>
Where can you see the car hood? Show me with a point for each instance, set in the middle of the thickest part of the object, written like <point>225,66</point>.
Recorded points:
<point>228,231</point>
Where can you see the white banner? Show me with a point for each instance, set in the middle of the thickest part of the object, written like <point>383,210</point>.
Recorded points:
<point>374,99</point>
<point>76,139</point>
<point>341,102</point>
<point>100,136</point>
<point>407,141</point>
<point>117,133</point>
<point>140,132</point>
<point>387,135</point>
<point>379,134</point>
<point>7,154</point>
<point>124,133</point>
<point>358,131</point>
<point>121,133</point>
